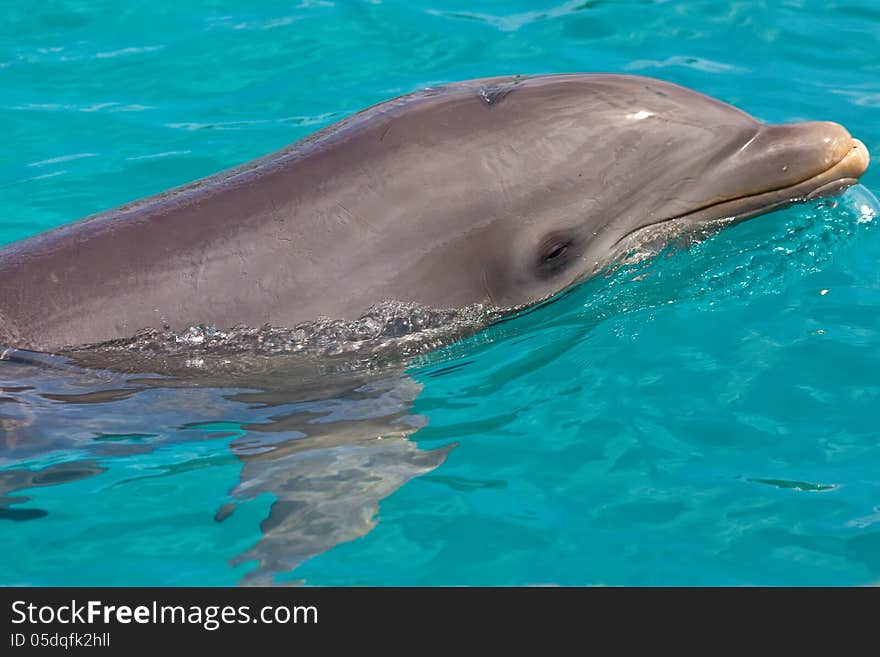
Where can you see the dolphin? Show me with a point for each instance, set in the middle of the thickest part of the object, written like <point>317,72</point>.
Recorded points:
<point>500,191</point>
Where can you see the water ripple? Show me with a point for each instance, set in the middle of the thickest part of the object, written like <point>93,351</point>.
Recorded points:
<point>127,51</point>
<point>112,106</point>
<point>230,23</point>
<point>62,158</point>
<point>698,63</point>
<point>154,156</point>
<point>513,22</point>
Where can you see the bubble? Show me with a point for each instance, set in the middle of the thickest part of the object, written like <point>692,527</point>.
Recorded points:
<point>407,329</point>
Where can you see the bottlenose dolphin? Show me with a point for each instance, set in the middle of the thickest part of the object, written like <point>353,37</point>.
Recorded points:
<point>501,191</point>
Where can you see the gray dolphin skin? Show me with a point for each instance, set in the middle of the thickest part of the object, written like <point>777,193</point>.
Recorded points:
<point>501,191</point>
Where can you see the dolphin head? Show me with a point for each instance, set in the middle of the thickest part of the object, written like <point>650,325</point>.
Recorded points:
<point>623,157</point>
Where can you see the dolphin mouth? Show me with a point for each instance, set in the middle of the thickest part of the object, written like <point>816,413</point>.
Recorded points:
<point>842,172</point>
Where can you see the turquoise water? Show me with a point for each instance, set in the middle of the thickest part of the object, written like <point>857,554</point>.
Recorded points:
<point>708,417</point>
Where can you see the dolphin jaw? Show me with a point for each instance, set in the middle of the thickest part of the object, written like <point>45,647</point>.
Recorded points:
<point>843,171</point>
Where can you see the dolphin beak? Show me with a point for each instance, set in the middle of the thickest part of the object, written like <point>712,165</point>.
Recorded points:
<point>791,154</point>
<point>844,172</point>
<point>788,162</point>
<point>779,165</point>
<point>858,158</point>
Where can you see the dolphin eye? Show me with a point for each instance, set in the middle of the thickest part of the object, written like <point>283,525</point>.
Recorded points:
<point>553,257</point>
<point>556,251</point>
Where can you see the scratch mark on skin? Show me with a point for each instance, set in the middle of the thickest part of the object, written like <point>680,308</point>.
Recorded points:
<point>241,257</point>
<point>189,273</point>
<point>358,218</point>
<point>484,277</point>
<point>279,218</point>
<point>275,210</point>
<point>271,294</point>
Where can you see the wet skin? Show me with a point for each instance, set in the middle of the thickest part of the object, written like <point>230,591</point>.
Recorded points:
<point>501,191</point>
